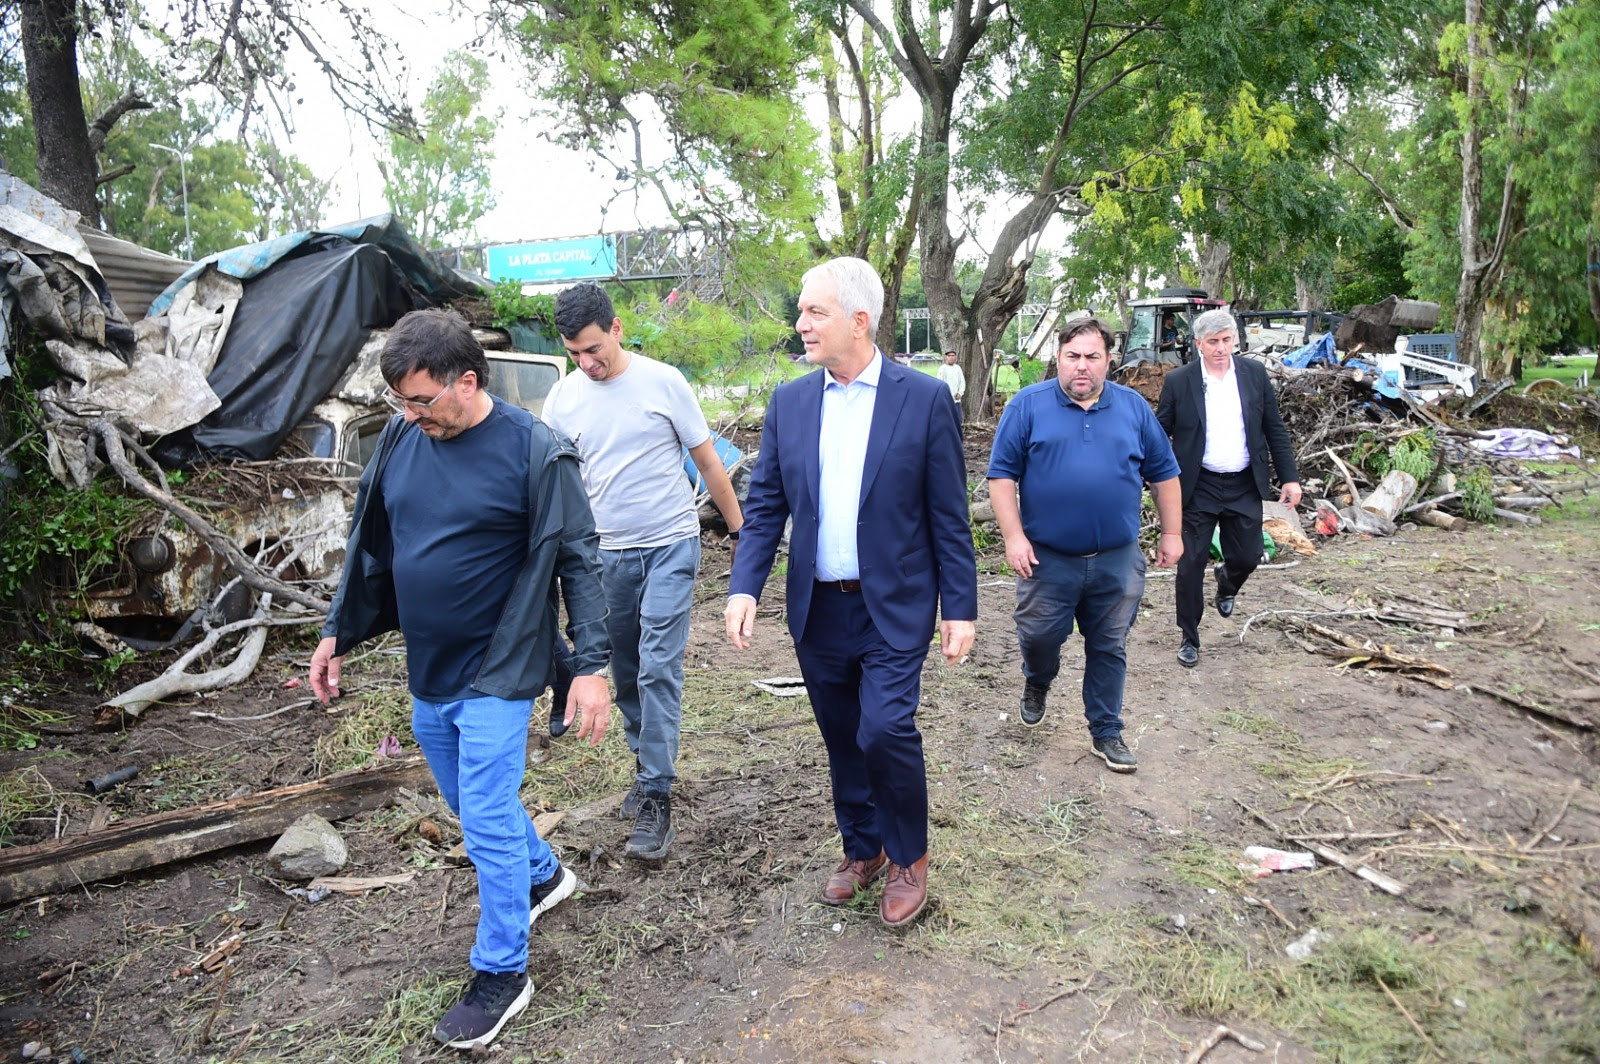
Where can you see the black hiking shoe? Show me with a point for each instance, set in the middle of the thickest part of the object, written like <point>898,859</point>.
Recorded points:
<point>1115,754</point>
<point>552,892</point>
<point>652,829</point>
<point>1033,704</point>
<point>491,1000</point>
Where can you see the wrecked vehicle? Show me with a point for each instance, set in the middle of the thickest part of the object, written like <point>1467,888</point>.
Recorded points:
<point>254,373</point>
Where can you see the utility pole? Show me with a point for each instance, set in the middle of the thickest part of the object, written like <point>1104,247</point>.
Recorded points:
<point>183,179</point>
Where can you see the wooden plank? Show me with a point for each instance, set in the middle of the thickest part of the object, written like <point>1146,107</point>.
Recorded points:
<point>151,841</point>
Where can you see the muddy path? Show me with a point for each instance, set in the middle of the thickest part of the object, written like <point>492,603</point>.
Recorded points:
<point>1077,915</point>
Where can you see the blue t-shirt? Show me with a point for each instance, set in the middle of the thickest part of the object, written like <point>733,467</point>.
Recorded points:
<point>458,518</point>
<point>1080,472</point>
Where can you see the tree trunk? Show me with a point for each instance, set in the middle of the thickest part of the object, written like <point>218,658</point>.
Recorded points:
<point>1480,261</point>
<point>1216,264</point>
<point>1592,278</point>
<point>60,127</point>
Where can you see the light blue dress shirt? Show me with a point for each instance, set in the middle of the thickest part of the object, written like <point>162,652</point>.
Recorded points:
<point>842,453</point>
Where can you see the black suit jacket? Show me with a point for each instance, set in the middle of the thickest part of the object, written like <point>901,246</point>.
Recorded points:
<point>1182,413</point>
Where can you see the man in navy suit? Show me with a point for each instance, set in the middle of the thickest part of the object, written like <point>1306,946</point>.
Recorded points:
<point>1223,418</point>
<point>866,457</point>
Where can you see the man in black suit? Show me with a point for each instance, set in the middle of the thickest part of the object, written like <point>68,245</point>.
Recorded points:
<point>1222,416</point>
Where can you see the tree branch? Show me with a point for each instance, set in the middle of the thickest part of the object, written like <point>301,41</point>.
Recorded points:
<point>132,100</point>
<point>1406,223</point>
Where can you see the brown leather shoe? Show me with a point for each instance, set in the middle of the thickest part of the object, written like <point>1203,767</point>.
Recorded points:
<point>852,876</point>
<point>905,893</point>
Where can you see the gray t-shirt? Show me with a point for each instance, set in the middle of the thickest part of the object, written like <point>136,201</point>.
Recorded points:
<point>631,431</point>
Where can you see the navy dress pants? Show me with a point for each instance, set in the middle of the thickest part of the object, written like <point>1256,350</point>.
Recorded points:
<point>864,694</point>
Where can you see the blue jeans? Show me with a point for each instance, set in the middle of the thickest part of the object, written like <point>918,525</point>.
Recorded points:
<point>649,591</point>
<point>1101,592</point>
<point>477,749</point>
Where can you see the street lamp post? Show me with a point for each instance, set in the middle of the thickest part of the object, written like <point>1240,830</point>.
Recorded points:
<point>183,179</point>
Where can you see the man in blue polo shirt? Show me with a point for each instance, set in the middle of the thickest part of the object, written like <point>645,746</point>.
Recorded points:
<point>1080,450</point>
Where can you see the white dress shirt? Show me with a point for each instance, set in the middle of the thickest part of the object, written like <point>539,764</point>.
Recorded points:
<point>842,454</point>
<point>1226,449</point>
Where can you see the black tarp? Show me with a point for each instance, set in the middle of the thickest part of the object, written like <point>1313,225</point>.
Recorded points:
<point>297,328</point>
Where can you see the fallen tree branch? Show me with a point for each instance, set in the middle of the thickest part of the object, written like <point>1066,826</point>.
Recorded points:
<point>253,575</point>
<point>1214,1039</point>
<point>176,680</point>
<point>1531,707</point>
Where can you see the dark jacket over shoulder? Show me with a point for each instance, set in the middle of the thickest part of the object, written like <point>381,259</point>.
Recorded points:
<point>1182,413</point>
<point>562,546</point>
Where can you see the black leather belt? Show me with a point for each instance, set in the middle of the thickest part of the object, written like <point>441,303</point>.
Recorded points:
<point>1234,473</point>
<point>840,585</point>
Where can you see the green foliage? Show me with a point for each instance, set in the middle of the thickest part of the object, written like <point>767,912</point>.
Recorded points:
<point>1477,494</point>
<point>1415,453</point>
<point>438,185</point>
<point>511,305</point>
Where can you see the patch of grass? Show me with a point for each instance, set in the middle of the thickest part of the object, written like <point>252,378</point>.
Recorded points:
<point>23,793</point>
<point>1202,864</point>
<point>1569,370</point>
<point>1473,1004</point>
<point>1014,874</point>
<point>185,781</point>
<point>1583,509</point>
<point>1273,731</point>
<point>1308,771</point>
<point>19,724</point>
<point>358,732</point>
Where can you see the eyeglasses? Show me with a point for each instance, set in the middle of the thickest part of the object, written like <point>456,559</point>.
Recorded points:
<point>400,404</point>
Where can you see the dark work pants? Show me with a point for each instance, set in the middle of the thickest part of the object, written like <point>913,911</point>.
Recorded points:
<point>1101,592</point>
<point>1221,500</point>
<point>864,694</point>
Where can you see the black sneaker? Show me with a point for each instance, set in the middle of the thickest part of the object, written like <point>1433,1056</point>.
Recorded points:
<point>492,999</point>
<point>652,829</point>
<point>1115,754</point>
<point>1033,703</point>
<point>552,892</point>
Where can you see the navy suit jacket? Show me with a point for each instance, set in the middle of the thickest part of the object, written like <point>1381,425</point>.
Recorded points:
<point>913,538</point>
<point>1182,413</point>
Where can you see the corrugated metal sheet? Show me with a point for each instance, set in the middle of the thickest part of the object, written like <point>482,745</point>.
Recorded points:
<point>136,274</point>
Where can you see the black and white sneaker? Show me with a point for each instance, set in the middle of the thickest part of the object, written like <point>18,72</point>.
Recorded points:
<point>1033,704</point>
<point>1115,753</point>
<point>552,892</point>
<point>491,1000</point>
<point>652,829</point>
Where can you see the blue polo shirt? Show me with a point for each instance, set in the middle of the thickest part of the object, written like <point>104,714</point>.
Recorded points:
<point>1080,472</point>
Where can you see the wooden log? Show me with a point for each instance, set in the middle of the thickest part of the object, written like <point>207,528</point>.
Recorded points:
<point>1393,492</point>
<point>1440,519</point>
<point>1517,519</point>
<point>150,841</point>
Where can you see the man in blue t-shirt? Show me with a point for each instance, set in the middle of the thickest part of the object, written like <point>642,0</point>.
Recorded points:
<point>1078,451</point>
<point>469,518</point>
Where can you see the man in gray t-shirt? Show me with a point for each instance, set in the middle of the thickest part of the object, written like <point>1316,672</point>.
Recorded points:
<point>631,417</point>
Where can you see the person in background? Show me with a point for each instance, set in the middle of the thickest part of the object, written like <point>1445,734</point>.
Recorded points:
<point>1066,478</point>
<point>1222,416</point>
<point>631,418</point>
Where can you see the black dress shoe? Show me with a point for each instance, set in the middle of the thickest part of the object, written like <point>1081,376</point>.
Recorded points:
<point>1224,602</point>
<point>1188,655</point>
<point>558,717</point>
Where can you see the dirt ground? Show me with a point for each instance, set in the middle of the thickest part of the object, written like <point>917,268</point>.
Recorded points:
<point>1077,914</point>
